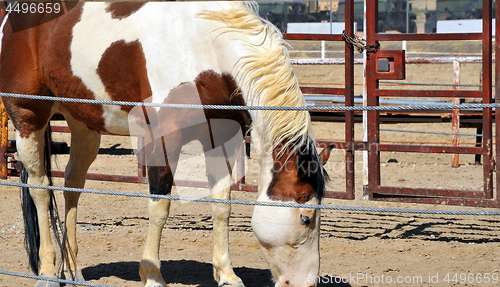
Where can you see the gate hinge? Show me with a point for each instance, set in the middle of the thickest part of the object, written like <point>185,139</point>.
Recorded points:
<point>360,43</point>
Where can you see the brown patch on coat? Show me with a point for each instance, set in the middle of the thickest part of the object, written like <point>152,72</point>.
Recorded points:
<point>221,89</point>
<point>121,10</point>
<point>123,72</point>
<point>300,176</point>
<point>290,178</point>
<point>209,88</point>
<point>36,61</point>
<point>28,115</point>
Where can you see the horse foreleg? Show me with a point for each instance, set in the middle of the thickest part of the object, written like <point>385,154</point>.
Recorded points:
<point>220,181</point>
<point>151,263</point>
<point>84,148</point>
<point>160,182</point>
<point>31,150</point>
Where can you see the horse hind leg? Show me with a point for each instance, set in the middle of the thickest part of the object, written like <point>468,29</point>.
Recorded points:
<point>43,256</point>
<point>84,148</point>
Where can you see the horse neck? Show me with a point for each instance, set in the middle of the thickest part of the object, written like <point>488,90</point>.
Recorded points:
<point>255,55</point>
<point>265,77</point>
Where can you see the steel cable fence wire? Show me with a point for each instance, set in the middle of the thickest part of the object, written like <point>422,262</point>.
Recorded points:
<point>464,106</point>
<point>57,280</point>
<point>260,203</point>
<point>276,204</point>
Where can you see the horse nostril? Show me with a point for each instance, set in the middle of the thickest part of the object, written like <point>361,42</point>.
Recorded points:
<point>305,219</point>
<point>287,282</point>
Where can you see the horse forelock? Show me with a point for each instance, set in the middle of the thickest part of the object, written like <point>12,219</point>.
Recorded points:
<point>297,175</point>
<point>266,77</point>
<point>310,169</point>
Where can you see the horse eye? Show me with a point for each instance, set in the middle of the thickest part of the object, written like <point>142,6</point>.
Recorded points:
<point>305,219</point>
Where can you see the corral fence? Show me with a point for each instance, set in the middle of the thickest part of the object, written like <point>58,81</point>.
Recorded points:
<point>379,65</point>
<point>383,65</point>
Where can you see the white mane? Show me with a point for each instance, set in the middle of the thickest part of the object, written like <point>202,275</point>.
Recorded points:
<point>267,78</point>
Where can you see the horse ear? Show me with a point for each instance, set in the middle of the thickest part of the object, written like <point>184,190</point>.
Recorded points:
<point>324,155</point>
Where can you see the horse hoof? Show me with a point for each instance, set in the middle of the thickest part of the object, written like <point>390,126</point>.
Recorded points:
<point>46,284</point>
<point>237,284</point>
<point>78,277</point>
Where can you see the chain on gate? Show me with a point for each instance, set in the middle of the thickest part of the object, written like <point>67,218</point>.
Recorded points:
<point>360,43</point>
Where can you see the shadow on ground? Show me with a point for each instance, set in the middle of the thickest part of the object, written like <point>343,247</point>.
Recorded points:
<point>185,272</point>
<point>188,272</point>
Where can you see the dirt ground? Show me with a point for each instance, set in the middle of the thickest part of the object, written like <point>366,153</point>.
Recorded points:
<point>357,248</point>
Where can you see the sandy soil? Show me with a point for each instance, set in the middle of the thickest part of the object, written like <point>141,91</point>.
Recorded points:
<point>361,249</point>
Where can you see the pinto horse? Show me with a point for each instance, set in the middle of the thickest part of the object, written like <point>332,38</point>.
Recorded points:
<point>218,53</point>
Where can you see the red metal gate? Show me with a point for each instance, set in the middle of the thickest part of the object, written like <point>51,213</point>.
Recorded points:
<point>390,65</point>
<point>377,69</point>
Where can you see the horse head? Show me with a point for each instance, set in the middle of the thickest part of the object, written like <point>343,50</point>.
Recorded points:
<point>289,237</point>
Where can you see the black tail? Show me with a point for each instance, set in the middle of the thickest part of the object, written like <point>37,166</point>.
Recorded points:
<point>31,227</point>
<point>31,230</point>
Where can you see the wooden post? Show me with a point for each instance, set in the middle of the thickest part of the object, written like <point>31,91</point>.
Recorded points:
<point>4,141</point>
<point>323,49</point>
<point>455,114</point>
